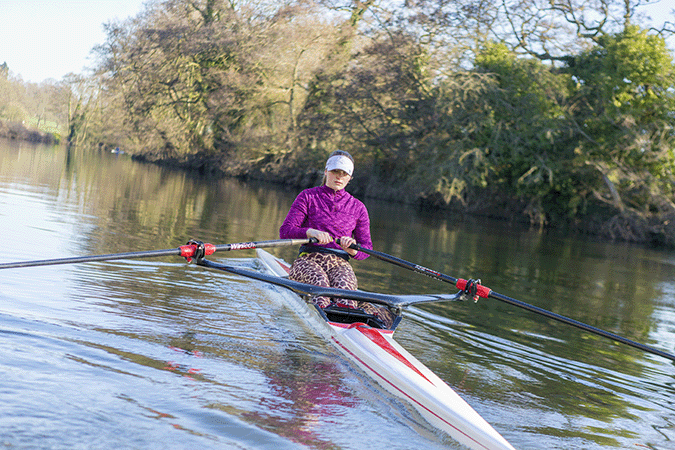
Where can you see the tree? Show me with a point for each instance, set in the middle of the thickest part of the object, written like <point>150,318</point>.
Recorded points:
<point>83,102</point>
<point>214,77</point>
<point>39,106</point>
<point>512,141</point>
<point>375,105</point>
<point>624,116</point>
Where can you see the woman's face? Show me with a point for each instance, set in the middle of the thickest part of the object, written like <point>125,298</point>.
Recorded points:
<point>337,179</point>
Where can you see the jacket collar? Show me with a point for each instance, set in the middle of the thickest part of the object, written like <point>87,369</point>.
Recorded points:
<point>328,191</point>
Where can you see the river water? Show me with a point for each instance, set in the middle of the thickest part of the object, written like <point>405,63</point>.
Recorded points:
<point>159,354</point>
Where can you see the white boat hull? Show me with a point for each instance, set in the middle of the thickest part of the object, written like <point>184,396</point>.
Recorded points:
<point>375,352</point>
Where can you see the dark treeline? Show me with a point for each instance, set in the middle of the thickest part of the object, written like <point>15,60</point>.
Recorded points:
<point>559,113</point>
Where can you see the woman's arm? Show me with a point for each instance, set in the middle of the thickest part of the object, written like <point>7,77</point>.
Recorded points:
<point>293,225</point>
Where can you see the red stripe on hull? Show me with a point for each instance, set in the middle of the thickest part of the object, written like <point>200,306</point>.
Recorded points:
<point>375,336</point>
<point>285,267</point>
<point>411,399</point>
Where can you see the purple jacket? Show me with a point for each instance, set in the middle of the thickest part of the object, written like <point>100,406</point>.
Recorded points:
<point>337,213</point>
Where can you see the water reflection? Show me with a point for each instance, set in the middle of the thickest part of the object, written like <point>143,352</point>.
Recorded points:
<point>305,396</point>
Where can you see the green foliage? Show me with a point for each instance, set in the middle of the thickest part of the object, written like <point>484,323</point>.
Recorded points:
<point>376,106</point>
<point>39,107</point>
<point>522,133</point>
<point>599,131</point>
<point>626,99</point>
<point>634,66</point>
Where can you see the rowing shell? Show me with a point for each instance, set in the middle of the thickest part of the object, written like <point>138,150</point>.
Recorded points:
<point>375,351</point>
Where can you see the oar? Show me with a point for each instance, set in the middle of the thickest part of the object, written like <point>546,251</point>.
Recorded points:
<point>393,301</point>
<point>475,289</point>
<point>193,249</point>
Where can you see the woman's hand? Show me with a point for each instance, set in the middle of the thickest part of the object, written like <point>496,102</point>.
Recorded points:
<point>323,237</point>
<point>345,242</point>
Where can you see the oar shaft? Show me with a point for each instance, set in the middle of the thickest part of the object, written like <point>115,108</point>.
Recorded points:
<point>186,251</point>
<point>405,264</point>
<point>81,259</point>
<point>485,292</point>
<point>580,325</point>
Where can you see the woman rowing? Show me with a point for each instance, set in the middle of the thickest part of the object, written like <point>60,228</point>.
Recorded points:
<point>337,220</point>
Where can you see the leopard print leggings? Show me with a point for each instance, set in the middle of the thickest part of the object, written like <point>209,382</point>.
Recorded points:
<point>322,269</point>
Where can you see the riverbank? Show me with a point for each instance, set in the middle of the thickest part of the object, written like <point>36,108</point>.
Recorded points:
<point>651,229</point>
<point>19,131</point>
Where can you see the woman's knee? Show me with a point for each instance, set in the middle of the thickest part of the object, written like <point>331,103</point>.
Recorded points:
<point>308,272</point>
<point>343,278</point>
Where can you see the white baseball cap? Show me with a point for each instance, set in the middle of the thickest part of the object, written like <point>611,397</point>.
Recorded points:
<point>341,162</point>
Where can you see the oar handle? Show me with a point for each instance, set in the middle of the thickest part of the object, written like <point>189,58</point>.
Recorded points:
<point>265,244</point>
<point>198,249</point>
